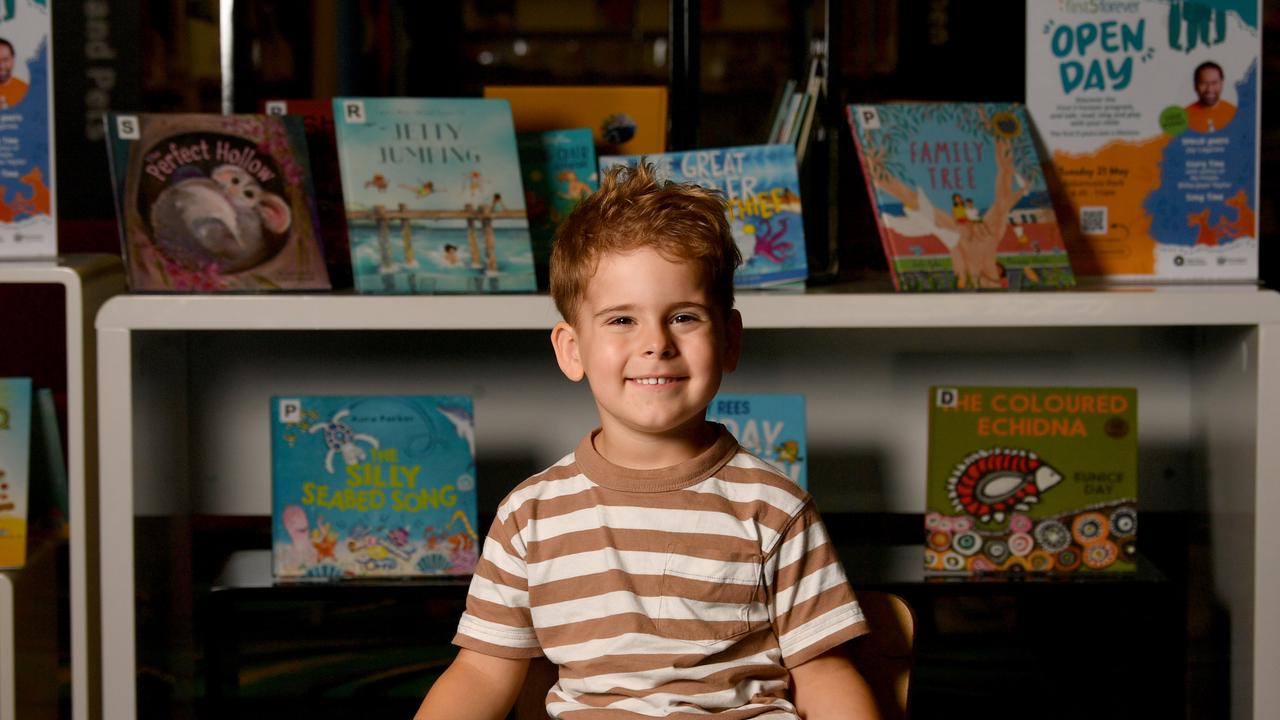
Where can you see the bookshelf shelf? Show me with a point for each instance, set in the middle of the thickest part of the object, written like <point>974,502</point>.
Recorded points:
<point>87,281</point>
<point>185,383</point>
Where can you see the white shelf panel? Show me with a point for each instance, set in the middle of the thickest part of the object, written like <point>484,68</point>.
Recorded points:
<point>1213,305</point>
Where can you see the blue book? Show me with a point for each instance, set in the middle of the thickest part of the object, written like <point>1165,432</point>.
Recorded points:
<point>15,458</point>
<point>558,168</point>
<point>762,188</point>
<point>369,485</point>
<point>28,196</point>
<point>770,426</point>
<point>433,196</point>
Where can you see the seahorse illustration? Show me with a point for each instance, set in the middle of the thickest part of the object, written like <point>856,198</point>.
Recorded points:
<point>989,483</point>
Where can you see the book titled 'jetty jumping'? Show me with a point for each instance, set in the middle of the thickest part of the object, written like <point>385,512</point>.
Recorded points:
<point>1150,112</point>
<point>211,203</point>
<point>373,485</point>
<point>762,189</point>
<point>433,195</point>
<point>1031,479</point>
<point>960,196</point>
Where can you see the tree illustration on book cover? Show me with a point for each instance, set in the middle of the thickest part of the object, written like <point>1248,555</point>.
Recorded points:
<point>960,196</point>
<point>373,486</point>
<point>212,203</point>
<point>433,195</point>
<point>1031,479</point>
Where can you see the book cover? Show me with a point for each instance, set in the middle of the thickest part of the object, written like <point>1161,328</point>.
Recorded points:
<point>27,206</point>
<point>214,203</point>
<point>1032,479</point>
<point>558,169</point>
<point>15,458</point>
<point>433,196</point>
<point>322,150</point>
<point>770,426</point>
<point>960,196</point>
<point>1149,111</point>
<point>373,486</point>
<point>762,189</point>
<point>624,119</point>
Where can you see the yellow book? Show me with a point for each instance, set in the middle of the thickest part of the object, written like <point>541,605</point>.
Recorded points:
<point>624,119</point>
<point>15,448</point>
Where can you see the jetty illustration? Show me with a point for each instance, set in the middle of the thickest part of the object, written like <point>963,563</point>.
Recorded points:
<point>476,215</point>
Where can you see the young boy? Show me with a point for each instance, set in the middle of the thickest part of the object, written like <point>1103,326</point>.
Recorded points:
<point>664,570</point>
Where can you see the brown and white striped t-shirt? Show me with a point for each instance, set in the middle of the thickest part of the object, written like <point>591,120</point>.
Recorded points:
<point>661,593</point>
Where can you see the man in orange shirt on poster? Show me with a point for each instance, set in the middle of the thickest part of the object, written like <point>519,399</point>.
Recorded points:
<point>12,90</point>
<point>1209,113</point>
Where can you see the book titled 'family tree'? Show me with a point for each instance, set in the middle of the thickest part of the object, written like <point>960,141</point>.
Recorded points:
<point>433,196</point>
<point>369,485</point>
<point>210,203</point>
<point>1031,479</point>
<point>960,197</point>
<point>762,189</point>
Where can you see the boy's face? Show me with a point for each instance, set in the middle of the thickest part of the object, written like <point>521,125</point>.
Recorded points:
<point>652,343</point>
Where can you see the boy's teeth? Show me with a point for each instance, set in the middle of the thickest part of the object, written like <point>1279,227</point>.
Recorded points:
<point>652,381</point>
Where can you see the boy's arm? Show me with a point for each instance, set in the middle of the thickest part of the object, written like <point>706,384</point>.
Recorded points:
<point>475,687</point>
<point>830,686</point>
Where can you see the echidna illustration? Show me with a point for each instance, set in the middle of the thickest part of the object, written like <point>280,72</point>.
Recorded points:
<point>990,483</point>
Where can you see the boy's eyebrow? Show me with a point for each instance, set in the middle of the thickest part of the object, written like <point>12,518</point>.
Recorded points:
<point>630,307</point>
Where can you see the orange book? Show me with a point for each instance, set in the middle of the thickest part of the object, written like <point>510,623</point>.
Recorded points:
<point>624,119</point>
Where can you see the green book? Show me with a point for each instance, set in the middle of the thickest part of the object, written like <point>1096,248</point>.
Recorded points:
<point>1031,479</point>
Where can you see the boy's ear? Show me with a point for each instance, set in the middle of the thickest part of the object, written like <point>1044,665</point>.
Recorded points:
<point>733,341</point>
<point>565,341</point>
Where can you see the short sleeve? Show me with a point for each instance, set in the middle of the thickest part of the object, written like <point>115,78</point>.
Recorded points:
<point>497,620</point>
<point>812,606</point>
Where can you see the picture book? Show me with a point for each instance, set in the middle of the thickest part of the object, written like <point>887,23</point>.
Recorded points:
<point>762,188</point>
<point>27,198</point>
<point>214,203</point>
<point>1149,111</point>
<point>15,458</point>
<point>1031,479</point>
<point>624,119</point>
<point>558,169</point>
<point>960,197</point>
<point>373,486</point>
<point>770,426</point>
<point>443,176</point>
<point>322,150</point>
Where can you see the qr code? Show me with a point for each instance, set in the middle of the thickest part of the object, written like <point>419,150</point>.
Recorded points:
<point>1093,220</point>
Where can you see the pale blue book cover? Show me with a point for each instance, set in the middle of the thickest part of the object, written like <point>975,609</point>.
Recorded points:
<point>762,189</point>
<point>28,198</point>
<point>373,485</point>
<point>433,196</point>
<point>771,426</point>
<point>15,459</point>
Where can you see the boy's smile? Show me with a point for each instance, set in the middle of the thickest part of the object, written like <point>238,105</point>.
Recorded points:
<point>653,344</point>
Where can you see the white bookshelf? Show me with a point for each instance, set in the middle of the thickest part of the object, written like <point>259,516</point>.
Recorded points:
<point>87,281</point>
<point>184,384</point>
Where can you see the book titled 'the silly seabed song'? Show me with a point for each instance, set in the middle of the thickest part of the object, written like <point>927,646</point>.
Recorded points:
<point>769,425</point>
<point>433,195</point>
<point>1031,479</point>
<point>373,486</point>
<point>28,227</point>
<point>960,196</point>
<point>1150,112</point>
<point>214,203</point>
<point>762,188</point>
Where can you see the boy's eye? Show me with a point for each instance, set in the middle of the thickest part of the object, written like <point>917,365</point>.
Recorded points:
<point>684,318</point>
<point>620,321</point>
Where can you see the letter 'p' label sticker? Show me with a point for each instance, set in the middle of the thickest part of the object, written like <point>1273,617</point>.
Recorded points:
<point>869,117</point>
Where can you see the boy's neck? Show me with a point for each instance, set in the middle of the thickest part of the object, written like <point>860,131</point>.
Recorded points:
<point>646,451</point>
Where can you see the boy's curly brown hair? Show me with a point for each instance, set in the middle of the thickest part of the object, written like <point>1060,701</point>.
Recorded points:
<point>633,210</point>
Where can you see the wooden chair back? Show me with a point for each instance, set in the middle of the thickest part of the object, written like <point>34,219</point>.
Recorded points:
<point>885,657</point>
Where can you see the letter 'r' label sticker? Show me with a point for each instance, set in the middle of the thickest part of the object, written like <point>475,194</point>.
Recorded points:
<point>353,112</point>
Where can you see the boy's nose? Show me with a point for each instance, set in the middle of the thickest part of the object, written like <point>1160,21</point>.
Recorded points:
<point>659,345</point>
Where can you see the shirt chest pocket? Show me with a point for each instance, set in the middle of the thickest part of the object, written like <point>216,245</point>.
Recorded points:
<point>707,600</point>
